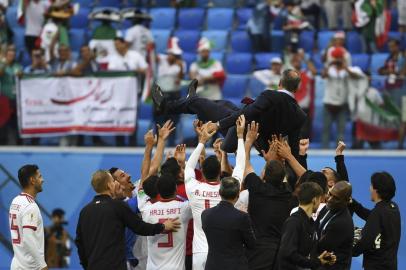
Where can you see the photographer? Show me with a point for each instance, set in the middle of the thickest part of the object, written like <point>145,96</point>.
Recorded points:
<point>57,244</point>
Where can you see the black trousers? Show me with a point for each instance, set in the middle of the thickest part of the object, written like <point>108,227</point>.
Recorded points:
<point>263,256</point>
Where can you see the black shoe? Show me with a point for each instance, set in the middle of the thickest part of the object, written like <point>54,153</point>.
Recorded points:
<point>157,95</point>
<point>192,88</point>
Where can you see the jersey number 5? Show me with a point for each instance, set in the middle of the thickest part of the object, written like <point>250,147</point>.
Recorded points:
<point>14,227</point>
<point>169,243</point>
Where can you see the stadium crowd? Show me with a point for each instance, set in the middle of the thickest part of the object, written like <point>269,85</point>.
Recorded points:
<point>362,69</point>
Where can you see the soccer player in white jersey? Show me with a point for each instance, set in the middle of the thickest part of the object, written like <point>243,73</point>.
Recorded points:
<point>167,251</point>
<point>26,226</point>
<point>203,195</point>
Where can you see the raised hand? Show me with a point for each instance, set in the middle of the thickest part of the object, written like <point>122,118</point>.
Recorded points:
<point>166,130</point>
<point>252,132</point>
<point>340,148</point>
<point>180,153</point>
<point>284,149</point>
<point>207,133</point>
<point>240,123</point>
<point>303,146</point>
<point>150,139</point>
<point>217,148</point>
<point>272,153</point>
<point>197,126</point>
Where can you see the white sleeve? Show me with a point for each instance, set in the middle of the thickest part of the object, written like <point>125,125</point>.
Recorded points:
<point>242,203</point>
<point>142,200</point>
<point>193,67</point>
<point>191,163</point>
<point>239,168</point>
<point>141,63</point>
<point>187,212</point>
<point>129,36</point>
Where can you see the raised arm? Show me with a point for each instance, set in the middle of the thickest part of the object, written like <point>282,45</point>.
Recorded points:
<point>250,138</point>
<point>340,164</point>
<point>150,140</point>
<point>285,153</point>
<point>303,147</point>
<point>239,169</point>
<point>163,134</point>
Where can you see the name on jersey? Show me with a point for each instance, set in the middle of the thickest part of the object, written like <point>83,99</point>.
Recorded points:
<point>164,212</point>
<point>207,194</point>
<point>15,207</point>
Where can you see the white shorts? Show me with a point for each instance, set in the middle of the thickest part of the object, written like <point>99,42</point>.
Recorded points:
<point>199,260</point>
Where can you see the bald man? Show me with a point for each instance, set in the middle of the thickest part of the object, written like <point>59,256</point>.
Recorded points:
<point>277,112</point>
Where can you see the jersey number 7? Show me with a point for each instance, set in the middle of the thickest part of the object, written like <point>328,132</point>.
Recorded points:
<point>14,227</point>
<point>169,243</point>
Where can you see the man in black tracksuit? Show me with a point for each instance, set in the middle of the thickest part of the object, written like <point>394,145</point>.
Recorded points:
<point>381,234</point>
<point>100,230</point>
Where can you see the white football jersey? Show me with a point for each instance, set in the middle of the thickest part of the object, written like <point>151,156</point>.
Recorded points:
<point>27,234</point>
<point>167,250</point>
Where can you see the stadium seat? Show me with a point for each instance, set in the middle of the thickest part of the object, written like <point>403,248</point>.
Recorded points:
<point>394,26</point>
<point>163,18</point>
<point>255,87</point>
<point>240,42</point>
<point>187,122</point>
<point>235,86</point>
<point>238,63</point>
<point>391,35</point>
<point>161,40</point>
<point>377,61</point>
<point>25,58</point>
<point>324,39</point>
<point>145,111</point>
<point>262,60</point>
<point>224,3</point>
<point>219,56</point>
<point>277,41</point>
<point>202,3</point>
<point>277,22</point>
<point>11,18</point>
<point>108,3</point>
<point>318,63</point>
<point>142,127</point>
<point>18,38</point>
<point>160,3</point>
<point>378,82</point>
<point>361,60</point>
<point>188,39</point>
<point>220,18</point>
<point>76,39</point>
<point>191,18</point>
<point>84,3</point>
<point>218,39</point>
<point>126,24</point>
<point>306,41</point>
<point>189,58</point>
<point>80,20</point>
<point>353,42</point>
<point>243,15</point>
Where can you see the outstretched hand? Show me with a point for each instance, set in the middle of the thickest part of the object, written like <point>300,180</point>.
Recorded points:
<point>240,123</point>
<point>180,153</point>
<point>150,139</point>
<point>284,149</point>
<point>340,148</point>
<point>207,133</point>
<point>272,153</point>
<point>252,132</point>
<point>303,146</point>
<point>166,130</point>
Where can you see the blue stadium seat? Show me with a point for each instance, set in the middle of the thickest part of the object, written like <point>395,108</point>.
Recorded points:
<point>80,20</point>
<point>240,42</point>
<point>161,39</point>
<point>218,39</point>
<point>262,60</point>
<point>163,18</point>
<point>84,3</point>
<point>188,39</point>
<point>224,3</point>
<point>25,58</point>
<point>11,18</point>
<point>18,38</point>
<point>186,123</point>
<point>238,63</point>
<point>378,82</point>
<point>235,86</point>
<point>142,127</point>
<point>377,61</point>
<point>108,3</point>
<point>361,60</point>
<point>324,39</point>
<point>191,18</point>
<point>189,58</point>
<point>126,24</point>
<point>243,15</point>
<point>219,56</point>
<point>394,26</point>
<point>162,3</point>
<point>220,18</point>
<point>277,22</point>
<point>255,87</point>
<point>353,42</point>
<point>76,39</point>
<point>392,35</point>
<point>202,3</point>
<point>277,41</point>
<point>306,41</point>
<point>318,63</point>
<point>145,111</point>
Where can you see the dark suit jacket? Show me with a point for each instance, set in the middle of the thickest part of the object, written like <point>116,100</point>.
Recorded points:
<point>228,232</point>
<point>277,113</point>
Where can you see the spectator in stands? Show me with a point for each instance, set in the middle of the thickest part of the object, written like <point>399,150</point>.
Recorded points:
<point>87,64</point>
<point>139,36</point>
<point>62,65</point>
<point>9,71</point>
<point>338,40</point>
<point>57,243</point>
<point>125,59</point>
<point>34,12</point>
<point>38,64</point>
<point>335,96</point>
<point>337,9</point>
<point>4,34</point>
<point>402,15</point>
<point>208,71</point>
<point>312,8</point>
<point>272,76</point>
<point>258,27</point>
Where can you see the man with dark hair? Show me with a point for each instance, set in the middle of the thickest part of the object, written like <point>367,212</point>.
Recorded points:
<point>280,106</point>
<point>380,236</point>
<point>124,179</point>
<point>269,205</point>
<point>100,230</point>
<point>167,250</point>
<point>26,225</point>
<point>299,237</point>
<point>228,230</point>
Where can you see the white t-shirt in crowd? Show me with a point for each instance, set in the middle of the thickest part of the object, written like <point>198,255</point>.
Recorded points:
<point>139,37</point>
<point>167,251</point>
<point>34,17</point>
<point>27,234</point>
<point>268,78</point>
<point>168,74</point>
<point>211,90</point>
<point>131,61</point>
<point>336,87</point>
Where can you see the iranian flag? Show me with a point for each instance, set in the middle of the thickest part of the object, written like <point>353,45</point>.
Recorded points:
<point>363,10</point>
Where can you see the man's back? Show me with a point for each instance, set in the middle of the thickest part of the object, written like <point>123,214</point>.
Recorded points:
<point>227,230</point>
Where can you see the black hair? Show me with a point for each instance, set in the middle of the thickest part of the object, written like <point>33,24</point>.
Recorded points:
<point>166,186</point>
<point>290,80</point>
<point>320,179</point>
<point>274,173</point>
<point>25,173</point>
<point>308,191</point>
<point>112,170</point>
<point>229,188</point>
<point>211,168</point>
<point>171,166</point>
<point>397,41</point>
<point>149,186</point>
<point>58,212</point>
<point>384,184</point>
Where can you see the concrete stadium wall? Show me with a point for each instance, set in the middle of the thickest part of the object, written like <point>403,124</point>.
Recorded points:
<point>67,181</point>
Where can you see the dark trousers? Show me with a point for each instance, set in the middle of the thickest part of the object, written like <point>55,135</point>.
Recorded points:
<point>30,43</point>
<point>263,256</point>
